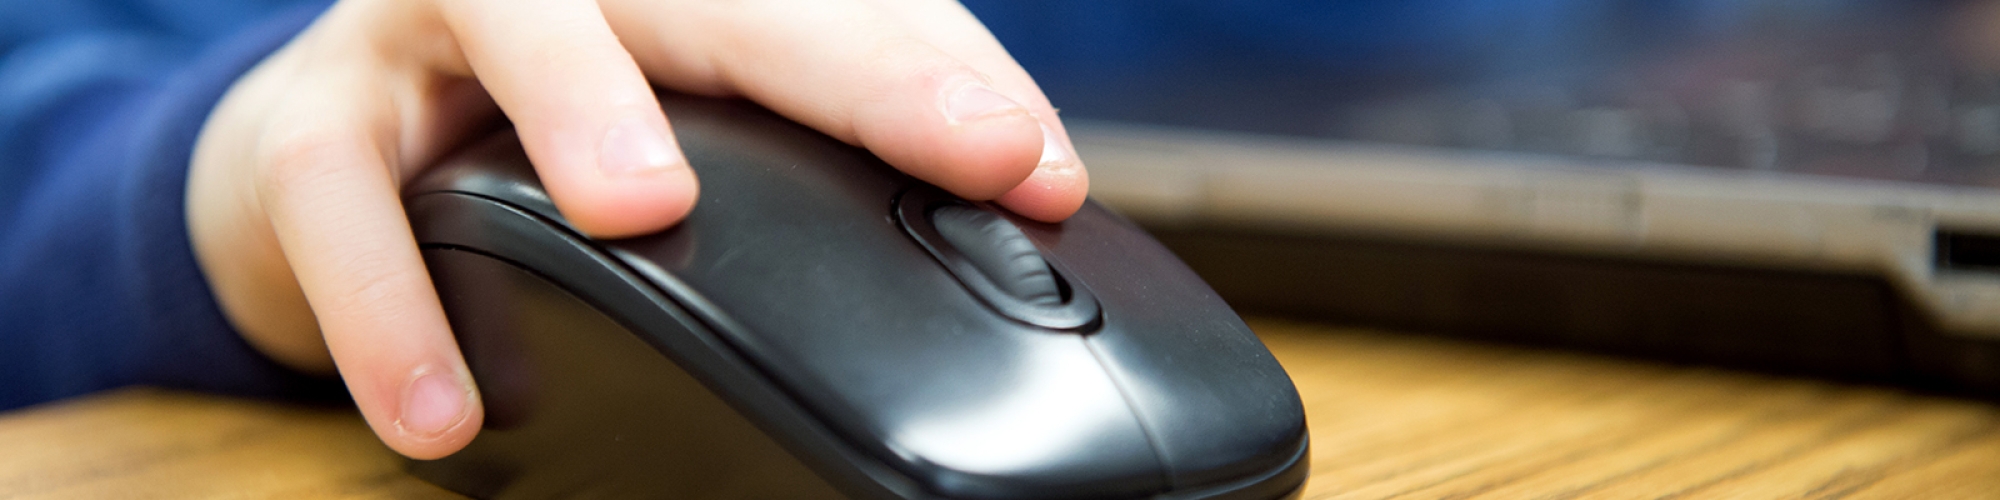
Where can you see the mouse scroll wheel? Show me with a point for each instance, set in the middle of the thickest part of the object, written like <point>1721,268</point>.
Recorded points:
<point>1000,251</point>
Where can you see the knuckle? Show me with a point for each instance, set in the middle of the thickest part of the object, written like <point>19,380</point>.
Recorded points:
<point>555,51</point>
<point>293,160</point>
<point>370,288</point>
<point>909,57</point>
<point>898,67</point>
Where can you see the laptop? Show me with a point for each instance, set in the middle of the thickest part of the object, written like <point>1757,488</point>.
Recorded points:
<point>1794,187</point>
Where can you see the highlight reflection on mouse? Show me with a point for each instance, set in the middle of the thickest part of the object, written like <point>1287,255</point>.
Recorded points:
<point>851,249</point>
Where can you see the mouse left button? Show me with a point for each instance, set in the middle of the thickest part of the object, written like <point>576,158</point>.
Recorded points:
<point>493,168</point>
<point>579,405</point>
<point>593,378</point>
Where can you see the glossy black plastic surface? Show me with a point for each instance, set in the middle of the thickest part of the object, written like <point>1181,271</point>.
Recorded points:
<point>633,424</point>
<point>796,296</point>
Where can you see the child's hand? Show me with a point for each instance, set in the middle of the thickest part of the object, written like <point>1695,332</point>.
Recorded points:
<point>293,199</point>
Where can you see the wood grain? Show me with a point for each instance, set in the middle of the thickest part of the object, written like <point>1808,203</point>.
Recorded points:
<point>1392,416</point>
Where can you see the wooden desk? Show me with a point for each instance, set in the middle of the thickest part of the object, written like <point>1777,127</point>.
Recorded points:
<point>1391,416</point>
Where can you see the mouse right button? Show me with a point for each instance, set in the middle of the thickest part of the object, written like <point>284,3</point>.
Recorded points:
<point>1221,412</point>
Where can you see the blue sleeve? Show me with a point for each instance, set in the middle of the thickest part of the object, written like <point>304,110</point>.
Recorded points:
<point>98,284</point>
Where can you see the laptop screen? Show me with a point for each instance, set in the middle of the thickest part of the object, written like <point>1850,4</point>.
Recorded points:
<point>1867,88</point>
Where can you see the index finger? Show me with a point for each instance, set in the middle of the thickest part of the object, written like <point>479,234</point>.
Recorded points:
<point>586,115</point>
<point>1059,183</point>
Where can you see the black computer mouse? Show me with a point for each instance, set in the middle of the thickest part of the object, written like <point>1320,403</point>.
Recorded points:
<point>824,326</point>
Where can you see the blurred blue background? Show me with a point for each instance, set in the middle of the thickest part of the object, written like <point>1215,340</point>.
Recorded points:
<point>1766,84</point>
<point>1869,88</point>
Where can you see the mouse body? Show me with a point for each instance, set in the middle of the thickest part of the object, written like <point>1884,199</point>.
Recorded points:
<point>824,326</point>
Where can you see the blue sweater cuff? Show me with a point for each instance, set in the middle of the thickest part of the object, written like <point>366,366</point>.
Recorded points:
<point>185,340</point>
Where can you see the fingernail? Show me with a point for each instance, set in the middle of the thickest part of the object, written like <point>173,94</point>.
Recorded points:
<point>433,403</point>
<point>975,101</point>
<point>635,146</point>
<point>1053,150</point>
